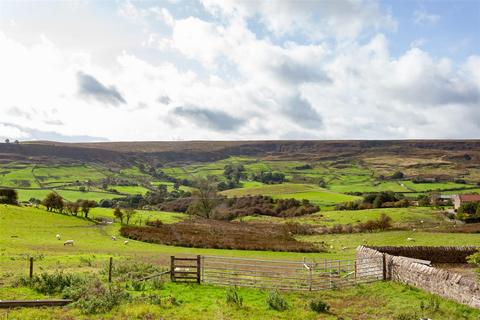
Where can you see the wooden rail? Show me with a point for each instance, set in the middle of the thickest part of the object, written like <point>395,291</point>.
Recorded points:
<point>185,269</point>
<point>33,303</point>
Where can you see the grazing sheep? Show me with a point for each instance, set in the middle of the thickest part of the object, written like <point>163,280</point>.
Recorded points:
<point>114,238</point>
<point>125,242</point>
<point>180,269</point>
<point>68,243</point>
<point>410,239</point>
<point>58,237</point>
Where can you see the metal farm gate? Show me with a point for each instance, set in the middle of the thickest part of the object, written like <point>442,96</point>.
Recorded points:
<point>278,274</point>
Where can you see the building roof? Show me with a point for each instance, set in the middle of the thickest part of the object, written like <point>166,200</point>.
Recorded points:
<point>469,197</point>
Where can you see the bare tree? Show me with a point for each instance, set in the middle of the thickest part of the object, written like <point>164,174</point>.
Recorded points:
<point>205,198</point>
<point>129,213</point>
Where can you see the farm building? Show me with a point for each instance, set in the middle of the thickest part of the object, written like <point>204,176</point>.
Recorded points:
<point>460,199</point>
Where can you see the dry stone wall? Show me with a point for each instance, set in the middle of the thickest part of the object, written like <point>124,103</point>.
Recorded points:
<point>445,283</point>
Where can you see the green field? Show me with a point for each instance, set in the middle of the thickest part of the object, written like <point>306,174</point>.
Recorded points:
<point>422,187</point>
<point>18,176</point>
<point>26,231</point>
<point>35,231</point>
<point>312,193</point>
<point>381,300</point>
<point>130,189</point>
<point>70,195</point>
<point>400,217</point>
<point>66,174</point>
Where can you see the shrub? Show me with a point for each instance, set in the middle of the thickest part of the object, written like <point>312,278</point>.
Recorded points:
<point>94,297</point>
<point>276,301</point>
<point>406,316</point>
<point>155,223</point>
<point>130,270</point>
<point>137,285</point>
<point>233,297</point>
<point>203,233</point>
<point>50,283</point>
<point>318,305</point>
<point>149,298</point>
<point>157,283</point>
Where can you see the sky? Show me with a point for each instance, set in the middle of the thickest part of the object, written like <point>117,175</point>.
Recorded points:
<point>239,70</point>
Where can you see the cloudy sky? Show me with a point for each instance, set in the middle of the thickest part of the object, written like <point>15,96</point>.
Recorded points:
<point>224,69</point>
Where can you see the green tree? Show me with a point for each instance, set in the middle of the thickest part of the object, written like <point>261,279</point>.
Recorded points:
<point>8,196</point>
<point>72,208</point>
<point>53,202</point>
<point>117,213</point>
<point>129,213</point>
<point>86,205</point>
<point>398,175</point>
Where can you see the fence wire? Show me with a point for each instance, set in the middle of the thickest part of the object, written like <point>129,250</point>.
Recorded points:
<point>290,275</point>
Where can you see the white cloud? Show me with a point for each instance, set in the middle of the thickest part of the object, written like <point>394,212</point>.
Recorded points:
<point>314,19</point>
<point>214,77</point>
<point>423,18</point>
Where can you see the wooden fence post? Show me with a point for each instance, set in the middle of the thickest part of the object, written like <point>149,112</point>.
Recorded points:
<point>310,278</point>
<point>199,265</point>
<point>110,264</point>
<point>355,266</point>
<point>172,268</point>
<point>31,268</point>
<point>384,267</point>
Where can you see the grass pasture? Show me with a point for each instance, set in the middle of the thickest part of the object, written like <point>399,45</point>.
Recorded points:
<point>27,231</point>
<point>381,300</point>
<point>314,194</point>
<point>130,189</point>
<point>401,217</point>
<point>52,175</point>
<point>70,195</point>
<point>18,176</point>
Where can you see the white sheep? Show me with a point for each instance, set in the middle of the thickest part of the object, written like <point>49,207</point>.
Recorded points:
<point>68,243</point>
<point>410,239</point>
<point>180,269</point>
<point>125,242</point>
<point>58,236</point>
<point>114,238</point>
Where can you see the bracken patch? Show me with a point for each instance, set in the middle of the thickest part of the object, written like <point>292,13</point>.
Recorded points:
<point>202,233</point>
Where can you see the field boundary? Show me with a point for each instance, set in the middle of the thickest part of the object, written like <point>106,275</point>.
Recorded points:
<point>277,274</point>
<point>399,266</point>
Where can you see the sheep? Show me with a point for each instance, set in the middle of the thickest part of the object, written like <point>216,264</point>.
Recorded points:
<point>410,239</point>
<point>114,238</point>
<point>180,269</point>
<point>68,243</point>
<point>58,237</point>
<point>125,242</point>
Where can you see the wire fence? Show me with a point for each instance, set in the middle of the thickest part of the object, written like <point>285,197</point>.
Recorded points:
<point>286,275</point>
<point>302,275</point>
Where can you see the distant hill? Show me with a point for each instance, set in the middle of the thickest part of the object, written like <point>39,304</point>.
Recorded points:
<point>465,152</point>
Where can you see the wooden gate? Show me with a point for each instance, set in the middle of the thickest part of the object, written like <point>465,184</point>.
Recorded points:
<point>185,269</point>
<point>285,275</point>
<point>290,275</point>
